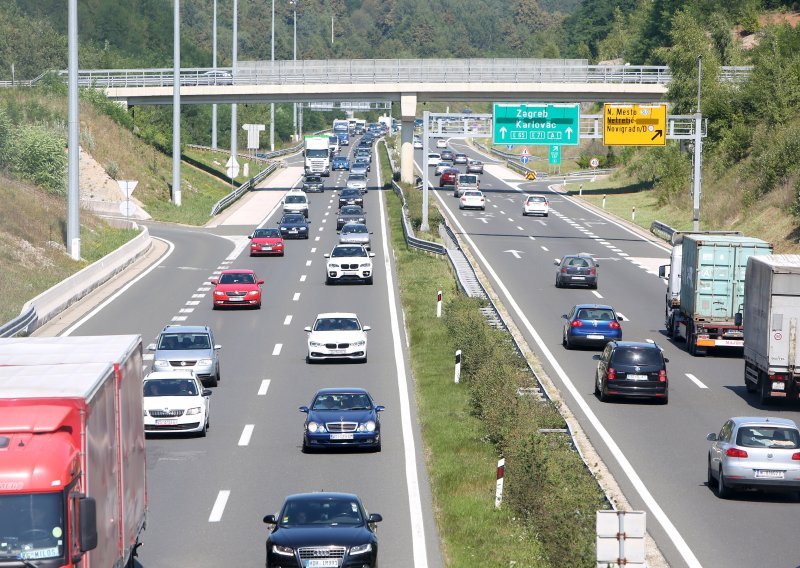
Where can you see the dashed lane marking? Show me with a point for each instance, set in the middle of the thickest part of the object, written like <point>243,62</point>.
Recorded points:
<point>219,506</point>
<point>277,349</point>
<point>247,433</point>
<point>287,320</point>
<point>696,381</point>
<point>262,390</point>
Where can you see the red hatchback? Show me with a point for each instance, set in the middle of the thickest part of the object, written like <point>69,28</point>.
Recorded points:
<point>237,287</point>
<point>448,177</point>
<point>266,241</point>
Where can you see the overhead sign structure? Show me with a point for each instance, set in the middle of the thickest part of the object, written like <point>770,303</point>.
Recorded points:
<point>537,124</point>
<point>634,125</point>
<point>554,156</point>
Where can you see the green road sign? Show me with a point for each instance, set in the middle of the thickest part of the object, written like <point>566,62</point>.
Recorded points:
<point>554,156</point>
<point>536,124</point>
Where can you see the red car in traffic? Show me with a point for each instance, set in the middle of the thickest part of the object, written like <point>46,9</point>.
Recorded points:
<point>237,287</point>
<point>266,241</point>
<point>448,177</point>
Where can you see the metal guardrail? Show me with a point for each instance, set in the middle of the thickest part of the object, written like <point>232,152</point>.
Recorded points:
<point>408,231</point>
<point>20,324</point>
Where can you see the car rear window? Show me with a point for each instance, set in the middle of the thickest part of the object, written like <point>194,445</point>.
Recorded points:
<point>536,199</point>
<point>470,180</point>
<point>764,436</point>
<point>595,314</point>
<point>638,356</point>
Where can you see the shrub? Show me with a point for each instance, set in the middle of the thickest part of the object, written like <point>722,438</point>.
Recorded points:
<point>112,109</point>
<point>37,154</point>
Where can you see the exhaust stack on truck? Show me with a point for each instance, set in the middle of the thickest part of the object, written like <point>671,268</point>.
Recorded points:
<point>72,451</point>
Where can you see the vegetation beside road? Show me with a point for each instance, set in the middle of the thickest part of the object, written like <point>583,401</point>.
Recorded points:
<point>547,518</point>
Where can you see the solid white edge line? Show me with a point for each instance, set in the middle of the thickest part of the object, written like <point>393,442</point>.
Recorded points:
<point>616,451</point>
<point>247,433</point>
<point>122,290</point>
<point>262,390</point>
<point>419,546</point>
<point>219,506</point>
<point>696,381</point>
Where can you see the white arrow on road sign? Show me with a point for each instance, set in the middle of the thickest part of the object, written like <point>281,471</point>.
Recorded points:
<point>524,159</point>
<point>516,253</point>
<point>568,130</point>
<point>503,131</point>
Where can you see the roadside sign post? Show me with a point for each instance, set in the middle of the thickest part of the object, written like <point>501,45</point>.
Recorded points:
<point>127,187</point>
<point>457,376</point>
<point>634,125</point>
<point>538,124</point>
<point>620,538</point>
<point>498,491</point>
<point>232,168</point>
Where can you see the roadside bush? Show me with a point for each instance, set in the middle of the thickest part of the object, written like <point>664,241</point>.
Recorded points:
<point>112,109</point>
<point>37,154</point>
<point>5,136</point>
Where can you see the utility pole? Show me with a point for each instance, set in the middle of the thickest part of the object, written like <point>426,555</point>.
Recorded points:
<point>73,155</point>
<point>214,66</point>
<point>234,131</point>
<point>272,105</point>
<point>698,151</point>
<point>294,58</point>
<point>176,104</point>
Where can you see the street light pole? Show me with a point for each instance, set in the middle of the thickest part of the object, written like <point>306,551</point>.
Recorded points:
<point>698,152</point>
<point>73,151</point>
<point>272,105</point>
<point>234,118</point>
<point>294,58</point>
<point>214,66</point>
<point>176,105</point>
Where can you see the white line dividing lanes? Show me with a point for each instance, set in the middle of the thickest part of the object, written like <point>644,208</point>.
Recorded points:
<point>247,433</point>
<point>696,381</point>
<point>287,320</point>
<point>277,349</point>
<point>262,390</point>
<point>219,506</point>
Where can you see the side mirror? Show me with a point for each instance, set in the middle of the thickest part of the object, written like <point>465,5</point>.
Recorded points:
<point>563,316</point>
<point>712,437</point>
<point>596,263</point>
<point>662,271</point>
<point>372,255</point>
<point>87,512</point>
<point>666,360</point>
<point>206,392</point>
<point>270,520</point>
<point>260,282</point>
<point>596,357</point>
<point>303,409</point>
<point>151,347</point>
<point>380,408</point>
<point>371,233</point>
<point>307,328</point>
<point>214,281</point>
<point>366,328</point>
<point>374,518</point>
<point>249,236</point>
<point>326,255</point>
<point>218,346</point>
<point>737,319</point>
<point>556,262</point>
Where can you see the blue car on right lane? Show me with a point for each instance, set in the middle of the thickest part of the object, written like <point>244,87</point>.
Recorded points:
<point>590,325</point>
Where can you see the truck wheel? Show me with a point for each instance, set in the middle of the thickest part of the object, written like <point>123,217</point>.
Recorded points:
<point>669,321</point>
<point>764,391</point>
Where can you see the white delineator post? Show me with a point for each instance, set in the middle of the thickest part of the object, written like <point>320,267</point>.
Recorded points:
<point>457,376</point>
<point>498,493</point>
<point>439,304</point>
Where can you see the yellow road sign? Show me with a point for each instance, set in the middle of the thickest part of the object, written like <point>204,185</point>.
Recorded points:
<point>634,125</point>
<point>530,175</point>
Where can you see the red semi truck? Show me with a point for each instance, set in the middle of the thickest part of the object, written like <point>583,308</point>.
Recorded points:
<point>72,451</point>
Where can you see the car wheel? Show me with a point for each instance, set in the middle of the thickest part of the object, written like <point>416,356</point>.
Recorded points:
<point>723,491</point>
<point>710,481</point>
<point>328,281</point>
<point>309,360</point>
<point>212,382</point>
<point>596,388</point>
<point>558,282</point>
<point>306,449</point>
<point>281,254</point>
<point>546,214</point>
<point>593,286</point>
<point>202,433</point>
<point>603,394</point>
<point>566,342</point>
<point>377,448</point>
<point>664,400</point>
<point>483,208</point>
<point>364,360</point>
<point>258,306</point>
<point>369,281</point>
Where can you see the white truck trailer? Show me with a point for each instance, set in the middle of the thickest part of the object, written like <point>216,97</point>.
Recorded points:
<point>317,155</point>
<point>771,316</point>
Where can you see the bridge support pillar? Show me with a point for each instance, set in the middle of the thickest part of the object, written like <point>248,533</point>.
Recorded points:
<point>408,111</point>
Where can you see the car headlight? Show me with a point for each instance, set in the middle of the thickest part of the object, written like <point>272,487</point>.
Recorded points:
<point>283,550</point>
<point>315,427</point>
<point>359,343</point>
<point>218,293</point>
<point>303,228</point>
<point>365,265</point>
<point>315,344</point>
<point>368,426</point>
<point>253,292</point>
<point>361,549</point>
<point>361,219</point>
<point>195,410</point>
<point>340,220</point>
<point>204,362</point>
<point>161,364</point>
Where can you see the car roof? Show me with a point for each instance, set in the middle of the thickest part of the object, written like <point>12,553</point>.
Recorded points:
<point>740,420</point>
<point>593,307</point>
<point>637,344</point>
<point>172,328</point>
<point>246,270</point>
<point>335,390</point>
<point>337,314</point>
<point>174,374</point>
<point>324,494</point>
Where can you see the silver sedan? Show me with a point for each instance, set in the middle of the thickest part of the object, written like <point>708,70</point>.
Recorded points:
<point>355,234</point>
<point>754,453</point>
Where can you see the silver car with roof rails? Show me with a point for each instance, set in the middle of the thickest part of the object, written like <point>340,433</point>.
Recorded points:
<point>189,347</point>
<point>355,234</point>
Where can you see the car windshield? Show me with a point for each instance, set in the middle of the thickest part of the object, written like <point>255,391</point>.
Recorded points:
<point>595,314</point>
<point>637,356</point>
<point>345,251</point>
<point>32,527</point>
<point>342,401</point>
<point>472,194</point>
<point>324,511</point>
<point>295,199</point>
<point>350,193</point>
<point>469,180</point>
<point>298,218</point>
<point>348,229</point>
<point>337,324</point>
<point>357,177</point>
<point>266,233</point>
<point>536,199</point>
<point>576,261</point>
<point>351,210</point>
<point>313,179</point>
<point>183,341</point>
<point>237,278</point>
<point>361,162</point>
<point>170,387</point>
<point>767,436</point>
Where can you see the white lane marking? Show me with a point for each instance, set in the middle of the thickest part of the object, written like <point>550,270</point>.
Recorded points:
<point>148,356</point>
<point>204,289</point>
<point>622,253</point>
<point>313,250</point>
<point>226,262</point>
<point>198,295</point>
<point>493,205</point>
<point>520,228</point>
<point>409,450</point>
<point>308,263</point>
<point>329,206</point>
<point>179,318</point>
<point>596,293</point>
<point>193,303</point>
<point>287,320</point>
<point>320,229</point>
<point>604,242</point>
<point>316,238</point>
<point>544,248</point>
<point>502,212</point>
<point>277,349</point>
<point>303,278</point>
<point>327,213</point>
<point>262,390</point>
<point>296,297</point>
<point>185,310</point>
<point>510,219</point>
<point>247,433</point>
<point>696,381</point>
<point>324,221</point>
<point>616,249</point>
<point>611,246</point>
<point>217,272</point>
<point>622,316</point>
<point>531,237</point>
<point>219,506</point>
<point>608,439</point>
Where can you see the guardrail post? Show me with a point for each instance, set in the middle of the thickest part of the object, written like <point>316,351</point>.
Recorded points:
<point>439,304</point>
<point>457,377</point>
<point>604,201</point>
<point>633,213</point>
<point>498,492</point>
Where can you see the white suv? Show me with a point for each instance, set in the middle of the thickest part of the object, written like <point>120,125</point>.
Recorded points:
<point>349,262</point>
<point>536,205</point>
<point>296,202</point>
<point>337,336</point>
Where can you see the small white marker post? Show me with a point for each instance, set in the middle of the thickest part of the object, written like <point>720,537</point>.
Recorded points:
<point>604,201</point>
<point>633,213</point>
<point>498,494</point>
<point>439,304</point>
<point>457,376</point>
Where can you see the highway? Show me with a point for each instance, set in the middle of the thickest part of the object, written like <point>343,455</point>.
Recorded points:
<point>657,453</point>
<point>207,496</point>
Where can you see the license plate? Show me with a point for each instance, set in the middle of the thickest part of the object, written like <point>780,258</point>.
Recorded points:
<point>266,248</point>
<point>337,351</point>
<point>166,422</point>
<point>293,230</point>
<point>579,278</point>
<point>637,377</point>
<point>236,299</point>
<point>341,436</point>
<point>769,474</point>
<point>778,386</point>
<point>322,563</point>
<point>595,336</point>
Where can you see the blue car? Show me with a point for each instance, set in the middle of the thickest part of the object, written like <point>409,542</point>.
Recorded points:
<point>590,325</point>
<point>293,226</point>
<point>340,163</point>
<point>342,417</point>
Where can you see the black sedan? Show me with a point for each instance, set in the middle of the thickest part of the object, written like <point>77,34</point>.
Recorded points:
<point>577,270</point>
<point>294,226</point>
<point>628,368</point>
<point>313,183</point>
<point>342,417</point>
<point>350,197</point>
<point>318,530</point>
<point>350,214</point>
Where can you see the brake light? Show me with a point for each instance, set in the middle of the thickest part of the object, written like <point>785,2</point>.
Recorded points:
<point>662,376</point>
<point>735,453</point>
<point>613,325</point>
<point>564,270</point>
<point>577,323</point>
<point>796,456</point>
<point>592,271</point>
<point>612,374</point>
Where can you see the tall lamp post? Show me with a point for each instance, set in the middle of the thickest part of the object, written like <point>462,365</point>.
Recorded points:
<point>272,105</point>
<point>176,104</point>
<point>73,152</point>
<point>234,120</point>
<point>294,58</point>
<point>214,66</point>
